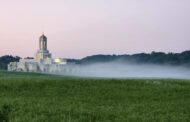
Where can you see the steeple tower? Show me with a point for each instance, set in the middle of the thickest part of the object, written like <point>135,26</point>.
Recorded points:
<point>43,52</point>
<point>43,42</point>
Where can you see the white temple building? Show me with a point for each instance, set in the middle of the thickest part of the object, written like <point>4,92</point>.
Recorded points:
<point>43,61</point>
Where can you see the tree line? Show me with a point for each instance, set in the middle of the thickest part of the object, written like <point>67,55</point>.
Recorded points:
<point>5,60</point>
<point>160,58</point>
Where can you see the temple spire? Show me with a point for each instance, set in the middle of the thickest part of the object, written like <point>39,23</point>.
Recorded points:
<point>43,52</point>
<point>43,42</point>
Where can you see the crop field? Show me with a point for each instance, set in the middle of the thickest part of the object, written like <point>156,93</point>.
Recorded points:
<point>30,97</point>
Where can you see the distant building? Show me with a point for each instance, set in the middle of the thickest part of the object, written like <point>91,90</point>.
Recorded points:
<point>43,61</point>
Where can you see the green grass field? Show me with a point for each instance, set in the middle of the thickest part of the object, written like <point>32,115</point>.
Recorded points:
<point>42,98</point>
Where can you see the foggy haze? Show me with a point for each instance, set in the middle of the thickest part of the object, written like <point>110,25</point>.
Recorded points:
<point>119,70</point>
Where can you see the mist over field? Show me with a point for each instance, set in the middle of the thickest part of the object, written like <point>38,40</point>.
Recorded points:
<point>127,70</point>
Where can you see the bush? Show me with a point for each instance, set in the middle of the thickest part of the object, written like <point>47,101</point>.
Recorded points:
<point>4,113</point>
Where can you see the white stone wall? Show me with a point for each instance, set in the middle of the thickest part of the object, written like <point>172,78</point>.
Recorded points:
<point>34,66</point>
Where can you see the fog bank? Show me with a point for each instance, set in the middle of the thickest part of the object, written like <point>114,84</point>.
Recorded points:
<point>121,70</point>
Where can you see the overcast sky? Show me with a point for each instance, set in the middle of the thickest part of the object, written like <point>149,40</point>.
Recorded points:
<point>78,28</point>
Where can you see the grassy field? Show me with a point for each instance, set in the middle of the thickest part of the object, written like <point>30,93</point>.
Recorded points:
<point>42,98</point>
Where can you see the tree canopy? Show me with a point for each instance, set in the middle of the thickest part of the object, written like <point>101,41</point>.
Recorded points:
<point>5,60</point>
<point>161,58</point>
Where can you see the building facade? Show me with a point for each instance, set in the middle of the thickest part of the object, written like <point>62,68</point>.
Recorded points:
<point>43,62</point>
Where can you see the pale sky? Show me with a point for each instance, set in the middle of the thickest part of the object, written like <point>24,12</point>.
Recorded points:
<point>78,28</point>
